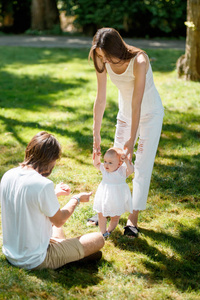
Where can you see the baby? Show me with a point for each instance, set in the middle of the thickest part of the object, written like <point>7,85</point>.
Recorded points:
<point>113,196</point>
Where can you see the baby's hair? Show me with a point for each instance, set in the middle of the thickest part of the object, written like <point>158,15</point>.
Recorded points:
<point>115,150</point>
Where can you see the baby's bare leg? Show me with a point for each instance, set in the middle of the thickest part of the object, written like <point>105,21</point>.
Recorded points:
<point>102,223</point>
<point>113,223</point>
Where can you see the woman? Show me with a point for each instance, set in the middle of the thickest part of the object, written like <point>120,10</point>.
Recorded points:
<point>140,109</point>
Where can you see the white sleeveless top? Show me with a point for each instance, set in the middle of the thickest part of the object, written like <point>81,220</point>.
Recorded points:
<point>151,102</point>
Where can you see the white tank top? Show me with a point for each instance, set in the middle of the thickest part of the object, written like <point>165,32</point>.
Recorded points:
<point>151,102</point>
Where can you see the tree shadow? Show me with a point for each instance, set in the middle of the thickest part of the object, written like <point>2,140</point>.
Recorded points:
<point>177,179</point>
<point>179,171</point>
<point>10,125</point>
<point>163,60</point>
<point>181,267</point>
<point>73,275</point>
<point>42,56</point>
<point>40,93</point>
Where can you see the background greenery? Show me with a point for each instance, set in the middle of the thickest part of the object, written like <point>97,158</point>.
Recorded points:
<point>54,90</point>
<point>19,11</point>
<point>138,18</point>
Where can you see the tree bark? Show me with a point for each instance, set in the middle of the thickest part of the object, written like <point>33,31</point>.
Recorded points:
<point>188,65</point>
<point>44,14</point>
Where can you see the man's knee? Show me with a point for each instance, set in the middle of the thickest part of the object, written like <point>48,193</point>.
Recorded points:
<point>96,238</point>
<point>92,242</point>
<point>101,239</point>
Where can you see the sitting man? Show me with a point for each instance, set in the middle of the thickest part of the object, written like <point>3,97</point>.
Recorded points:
<point>30,207</point>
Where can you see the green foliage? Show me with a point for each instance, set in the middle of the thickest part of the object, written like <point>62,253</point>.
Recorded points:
<point>19,11</point>
<point>54,90</point>
<point>135,18</point>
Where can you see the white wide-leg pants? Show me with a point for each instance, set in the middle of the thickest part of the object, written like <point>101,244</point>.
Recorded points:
<point>149,131</point>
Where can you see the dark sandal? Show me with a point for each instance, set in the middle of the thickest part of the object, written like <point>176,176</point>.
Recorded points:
<point>106,234</point>
<point>132,231</point>
<point>93,220</point>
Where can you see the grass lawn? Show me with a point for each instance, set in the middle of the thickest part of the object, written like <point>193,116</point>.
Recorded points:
<point>54,90</point>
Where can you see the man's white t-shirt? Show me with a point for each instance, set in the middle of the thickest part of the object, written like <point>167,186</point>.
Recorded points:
<point>27,201</point>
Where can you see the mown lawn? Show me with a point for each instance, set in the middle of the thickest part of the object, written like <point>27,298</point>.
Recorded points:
<point>54,90</point>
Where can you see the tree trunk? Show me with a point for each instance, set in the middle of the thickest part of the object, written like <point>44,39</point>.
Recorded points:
<point>44,14</point>
<point>188,65</point>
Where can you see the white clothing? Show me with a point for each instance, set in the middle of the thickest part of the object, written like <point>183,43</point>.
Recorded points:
<point>149,134</point>
<point>149,128</point>
<point>113,196</point>
<point>27,201</point>
<point>151,102</point>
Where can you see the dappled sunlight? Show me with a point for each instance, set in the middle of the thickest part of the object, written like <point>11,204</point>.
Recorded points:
<point>161,252</point>
<point>54,90</point>
<point>36,92</point>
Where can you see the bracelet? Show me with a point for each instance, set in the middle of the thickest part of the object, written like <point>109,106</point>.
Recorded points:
<point>77,198</point>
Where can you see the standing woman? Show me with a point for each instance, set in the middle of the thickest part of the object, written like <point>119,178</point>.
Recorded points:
<point>140,109</point>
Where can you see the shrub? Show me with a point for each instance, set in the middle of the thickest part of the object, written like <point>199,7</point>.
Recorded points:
<point>137,18</point>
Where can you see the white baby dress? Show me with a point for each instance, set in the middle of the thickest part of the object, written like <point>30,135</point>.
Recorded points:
<point>113,196</point>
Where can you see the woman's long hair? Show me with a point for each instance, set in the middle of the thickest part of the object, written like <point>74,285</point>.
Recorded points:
<point>110,41</point>
<point>41,151</point>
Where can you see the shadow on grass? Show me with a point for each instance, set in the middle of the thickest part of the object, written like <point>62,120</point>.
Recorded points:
<point>182,268</point>
<point>180,179</point>
<point>35,92</point>
<point>179,174</point>
<point>174,178</point>
<point>32,56</point>
<point>163,60</point>
<point>82,136</point>
<point>74,276</point>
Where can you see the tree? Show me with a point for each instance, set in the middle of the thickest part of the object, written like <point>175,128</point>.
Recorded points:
<point>11,12</point>
<point>44,15</point>
<point>188,65</point>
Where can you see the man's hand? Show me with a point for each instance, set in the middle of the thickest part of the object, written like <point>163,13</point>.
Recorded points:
<point>62,189</point>
<point>84,197</point>
<point>63,214</point>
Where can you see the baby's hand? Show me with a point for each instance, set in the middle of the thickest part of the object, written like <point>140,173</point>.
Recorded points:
<point>123,157</point>
<point>62,189</point>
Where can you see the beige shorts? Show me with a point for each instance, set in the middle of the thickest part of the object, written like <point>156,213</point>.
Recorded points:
<point>61,252</point>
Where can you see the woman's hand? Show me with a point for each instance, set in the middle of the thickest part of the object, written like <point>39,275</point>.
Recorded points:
<point>96,145</point>
<point>128,146</point>
<point>62,189</point>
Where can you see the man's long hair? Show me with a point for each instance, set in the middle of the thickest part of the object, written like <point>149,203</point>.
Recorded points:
<point>41,152</point>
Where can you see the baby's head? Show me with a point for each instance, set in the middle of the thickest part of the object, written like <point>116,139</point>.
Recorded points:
<point>112,159</point>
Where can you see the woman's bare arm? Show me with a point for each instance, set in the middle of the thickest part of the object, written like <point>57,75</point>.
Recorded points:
<point>98,111</point>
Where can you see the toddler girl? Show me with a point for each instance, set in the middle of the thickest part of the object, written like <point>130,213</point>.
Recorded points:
<point>113,196</point>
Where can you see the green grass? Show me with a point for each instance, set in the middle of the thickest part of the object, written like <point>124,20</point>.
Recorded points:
<point>54,90</point>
